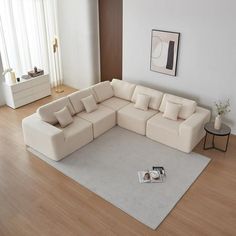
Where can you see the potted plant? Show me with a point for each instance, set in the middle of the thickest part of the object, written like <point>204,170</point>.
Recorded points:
<point>222,108</point>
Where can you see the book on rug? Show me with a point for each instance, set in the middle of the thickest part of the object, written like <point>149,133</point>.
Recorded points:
<point>153,176</point>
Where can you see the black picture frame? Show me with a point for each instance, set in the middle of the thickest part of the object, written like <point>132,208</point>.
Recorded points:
<point>167,48</point>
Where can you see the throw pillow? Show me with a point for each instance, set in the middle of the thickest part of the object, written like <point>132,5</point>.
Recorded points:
<point>64,117</point>
<point>142,102</point>
<point>89,104</point>
<point>172,110</point>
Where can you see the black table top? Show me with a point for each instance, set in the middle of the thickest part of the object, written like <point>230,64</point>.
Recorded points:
<point>223,131</point>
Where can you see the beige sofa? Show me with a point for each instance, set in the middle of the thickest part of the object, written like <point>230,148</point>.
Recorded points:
<point>116,106</point>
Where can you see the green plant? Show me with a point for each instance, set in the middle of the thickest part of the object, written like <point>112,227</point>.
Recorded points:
<point>222,108</point>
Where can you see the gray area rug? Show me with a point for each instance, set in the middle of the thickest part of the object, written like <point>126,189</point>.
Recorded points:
<point>108,167</point>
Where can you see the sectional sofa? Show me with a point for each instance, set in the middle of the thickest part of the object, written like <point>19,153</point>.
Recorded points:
<point>137,108</point>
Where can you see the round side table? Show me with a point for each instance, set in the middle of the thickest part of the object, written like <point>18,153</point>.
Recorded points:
<point>223,131</point>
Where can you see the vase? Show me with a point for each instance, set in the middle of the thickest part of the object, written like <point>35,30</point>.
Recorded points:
<point>218,121</point>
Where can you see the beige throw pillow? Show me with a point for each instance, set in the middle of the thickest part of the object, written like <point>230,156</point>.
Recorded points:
<point>142,102</point>
<point>64,117</point>
<point>172,110</point>
<point>89,104</point>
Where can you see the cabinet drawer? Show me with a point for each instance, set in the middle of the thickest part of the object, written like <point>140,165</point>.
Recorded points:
<point>30,83</point>
<point>31,91</point>
<point>36,96</point>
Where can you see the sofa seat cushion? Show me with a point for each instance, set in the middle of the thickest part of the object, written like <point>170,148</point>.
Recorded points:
<point>74,129</point>
<point>163,125</point>
<point>76,135</point>
<point>76,97</point>
<point>188,107</point>
<point>46,112</point>
<point>103,91</point>
<point>115,103</point>
<point>123,89</point>
<point>102,119</point>
<point>156,96</point>
<point>134,119</point>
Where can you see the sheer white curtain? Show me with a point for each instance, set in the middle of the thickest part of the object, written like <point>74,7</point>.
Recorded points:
<point>27,31</point>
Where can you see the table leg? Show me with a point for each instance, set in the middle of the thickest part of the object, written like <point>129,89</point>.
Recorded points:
<point>226,146</point>
<point>213,141</point>
<point>227,143</point>
<point>204,146</point>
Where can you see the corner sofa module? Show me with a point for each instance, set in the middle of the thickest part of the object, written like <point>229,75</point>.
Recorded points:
<point>115,103</point>
<point>102,119</point>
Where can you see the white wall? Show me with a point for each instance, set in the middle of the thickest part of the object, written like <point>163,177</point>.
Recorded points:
<point>78,29</point>
<point>2,101</point>
<point>207,55</point>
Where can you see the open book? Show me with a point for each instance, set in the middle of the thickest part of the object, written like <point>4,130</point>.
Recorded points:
<point>153,176</point>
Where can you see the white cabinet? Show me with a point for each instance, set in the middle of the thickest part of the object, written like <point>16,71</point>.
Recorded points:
<point>26,91</point>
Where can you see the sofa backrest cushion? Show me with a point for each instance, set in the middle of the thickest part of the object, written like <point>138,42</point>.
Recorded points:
<point>103,91</point>
<point>75,98</point>
<point>46,112</point>
<point>156,96</point>
<point>187,109</point>
<point>123,89</point>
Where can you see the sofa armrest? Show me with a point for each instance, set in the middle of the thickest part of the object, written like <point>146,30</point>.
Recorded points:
<point>193,127</point>
<point>43,137</point>
<point>197,120</point>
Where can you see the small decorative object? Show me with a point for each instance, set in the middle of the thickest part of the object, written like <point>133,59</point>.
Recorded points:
<point>35,72</point>
<point>18,79</point>
<point>9,79</point>
<point>25,77</point>
<point>155,174</point>
<point>146,176</point>
<point>222,108</point>
<point>218,122</point>
<point>164,51</point>
<point>161,169</point>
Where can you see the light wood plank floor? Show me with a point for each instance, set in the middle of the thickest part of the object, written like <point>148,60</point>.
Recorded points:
<point>36,199</point>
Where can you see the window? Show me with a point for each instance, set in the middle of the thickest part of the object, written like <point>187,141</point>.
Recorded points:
<point>27,30</point>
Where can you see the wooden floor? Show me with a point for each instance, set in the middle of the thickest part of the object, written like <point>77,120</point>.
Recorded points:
<point>36,199</point>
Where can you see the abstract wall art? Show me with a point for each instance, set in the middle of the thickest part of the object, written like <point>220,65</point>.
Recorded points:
<point>164,51</point>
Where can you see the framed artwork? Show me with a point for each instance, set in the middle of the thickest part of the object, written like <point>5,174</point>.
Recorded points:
<point>164,51</point>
